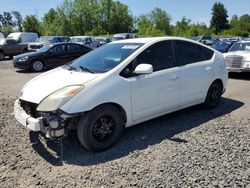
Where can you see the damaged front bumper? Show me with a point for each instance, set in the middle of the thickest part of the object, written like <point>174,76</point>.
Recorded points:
<point>48,125</point>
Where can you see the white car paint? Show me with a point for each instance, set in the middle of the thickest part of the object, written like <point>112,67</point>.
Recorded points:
<point>142,97</point>
<point>240,58</point>
<point>25,37</point>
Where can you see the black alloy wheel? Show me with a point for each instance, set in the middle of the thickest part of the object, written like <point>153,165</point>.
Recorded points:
<point>100,128</point>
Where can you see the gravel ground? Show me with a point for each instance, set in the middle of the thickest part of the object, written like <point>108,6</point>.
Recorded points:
<point>190,148</point>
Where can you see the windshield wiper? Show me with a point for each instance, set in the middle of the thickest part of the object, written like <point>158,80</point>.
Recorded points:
<point>86,69</point>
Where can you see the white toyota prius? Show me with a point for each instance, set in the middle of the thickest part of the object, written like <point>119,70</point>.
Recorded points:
<point>119,85</point>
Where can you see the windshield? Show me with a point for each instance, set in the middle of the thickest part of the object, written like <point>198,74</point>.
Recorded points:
<point>45,48</point>
<point>42,39</point>
<point>105,58</point>
<point>240,47</point>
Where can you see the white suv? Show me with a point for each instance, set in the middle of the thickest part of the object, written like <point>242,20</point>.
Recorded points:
<point>119,85</point>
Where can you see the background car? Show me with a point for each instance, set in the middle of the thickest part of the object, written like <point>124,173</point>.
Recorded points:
<point>51,55</point>
<point>122,36</point>
<point>10,47</point>
<point>238,57</point>
<point>207,39</point>
<point>44,40</point>
<point>103,40</point>
<point>87,41</point>
<point>223,46</point>
<point>23,37</point>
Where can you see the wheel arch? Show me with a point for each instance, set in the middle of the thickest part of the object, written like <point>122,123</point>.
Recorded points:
<point>117,106</point>
<point>37,58</point>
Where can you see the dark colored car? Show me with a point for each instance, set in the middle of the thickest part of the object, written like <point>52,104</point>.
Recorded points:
<point>51,55</point>
<point>223,46</point>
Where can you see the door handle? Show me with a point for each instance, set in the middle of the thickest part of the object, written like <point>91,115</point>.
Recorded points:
<point>208,69</point>
<point>175,77</point>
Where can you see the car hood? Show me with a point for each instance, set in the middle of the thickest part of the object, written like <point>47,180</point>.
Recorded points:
<point>245,54</point>
<point>45,84</point>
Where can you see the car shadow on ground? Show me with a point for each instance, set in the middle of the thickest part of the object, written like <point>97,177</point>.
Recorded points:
<point>239,76</point>
<point>138,137</point>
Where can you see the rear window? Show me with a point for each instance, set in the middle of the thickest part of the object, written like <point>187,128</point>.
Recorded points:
<point>187,53</point>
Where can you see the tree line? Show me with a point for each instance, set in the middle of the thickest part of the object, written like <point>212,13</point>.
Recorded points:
<point>106,17</point>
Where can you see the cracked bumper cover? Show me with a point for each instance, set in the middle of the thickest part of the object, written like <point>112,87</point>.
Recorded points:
<point>33,124</point>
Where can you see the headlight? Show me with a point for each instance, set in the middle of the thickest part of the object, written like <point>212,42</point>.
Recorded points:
<point>58,98</point>
<point>23,58</point>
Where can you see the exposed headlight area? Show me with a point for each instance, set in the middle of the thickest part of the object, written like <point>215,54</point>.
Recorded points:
<point>23,59</point>
<point>54,101</point>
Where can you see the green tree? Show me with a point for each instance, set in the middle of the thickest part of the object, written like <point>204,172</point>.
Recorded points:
<point>18,20</point>
<point>181,27</point>
<point>155,23</point>
<point>6,30</point>
<point>121,19</point>
<point>49,22</point>
<point>32,24</point>
<point>219,18</point>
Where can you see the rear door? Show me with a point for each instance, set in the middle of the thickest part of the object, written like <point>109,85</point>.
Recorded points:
<point>195,62</point>
<point>156,93</point>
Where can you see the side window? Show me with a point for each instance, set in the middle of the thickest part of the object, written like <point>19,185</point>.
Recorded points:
<point>187,52</point>
<point>159,55</point>
<point>59,49</point>
<point>208,54</point>
<point>74,48</point>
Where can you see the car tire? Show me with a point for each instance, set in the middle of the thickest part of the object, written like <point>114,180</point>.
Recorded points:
<point>213,95</point>
<point>100,128</point>
<point>2,56</point>
<point>37,65</point>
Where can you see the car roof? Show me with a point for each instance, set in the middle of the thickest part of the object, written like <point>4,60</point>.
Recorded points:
<point>150,39</point>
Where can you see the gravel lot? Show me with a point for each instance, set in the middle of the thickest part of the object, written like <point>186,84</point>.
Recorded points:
<point>190,148</point>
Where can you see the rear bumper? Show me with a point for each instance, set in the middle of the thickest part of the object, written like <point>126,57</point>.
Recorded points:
<point>26,120</point>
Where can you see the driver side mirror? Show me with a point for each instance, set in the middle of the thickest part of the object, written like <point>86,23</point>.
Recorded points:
<point>143,69</point>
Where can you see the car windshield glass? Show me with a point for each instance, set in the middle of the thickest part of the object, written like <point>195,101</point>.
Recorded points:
<point>220,44</point>
<point>45,48</point>
<point>240,47</point>
<point>105,58</point>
